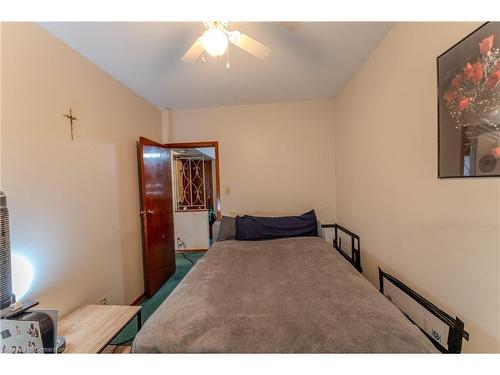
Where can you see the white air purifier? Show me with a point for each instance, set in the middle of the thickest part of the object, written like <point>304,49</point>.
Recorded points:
<point>6,296</point>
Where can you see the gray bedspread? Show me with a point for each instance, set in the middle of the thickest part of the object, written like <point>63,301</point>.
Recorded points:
<point>294,295</point>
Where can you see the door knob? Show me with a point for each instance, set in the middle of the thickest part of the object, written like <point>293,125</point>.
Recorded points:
<point>148,212</point>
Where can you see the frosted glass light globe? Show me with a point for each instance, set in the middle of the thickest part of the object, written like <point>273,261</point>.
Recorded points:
<point>215,42</point>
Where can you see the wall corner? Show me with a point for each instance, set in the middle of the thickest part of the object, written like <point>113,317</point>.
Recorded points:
<point>166,124</point>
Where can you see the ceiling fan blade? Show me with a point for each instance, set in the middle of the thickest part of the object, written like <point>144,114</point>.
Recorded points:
<point>250,45</point>
<point>194,52</point>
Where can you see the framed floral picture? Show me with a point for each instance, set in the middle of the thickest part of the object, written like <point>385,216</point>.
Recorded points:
<point>469,106</point>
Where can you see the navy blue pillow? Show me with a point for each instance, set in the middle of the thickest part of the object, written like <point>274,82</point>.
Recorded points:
<point>251,228</point>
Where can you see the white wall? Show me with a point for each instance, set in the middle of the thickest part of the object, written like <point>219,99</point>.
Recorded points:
<point>192,228</point>
<point>73,205</point>
<point>165,120</point>
<point>275,159</point>
<point>440,236</point>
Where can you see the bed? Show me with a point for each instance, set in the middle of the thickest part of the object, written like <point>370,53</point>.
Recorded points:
<point>289,295</point>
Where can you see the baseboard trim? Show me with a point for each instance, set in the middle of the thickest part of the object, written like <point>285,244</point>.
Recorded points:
<point>190,250</point>
<point>138,300</point>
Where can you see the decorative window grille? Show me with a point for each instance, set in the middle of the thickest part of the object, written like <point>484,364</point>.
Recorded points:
<point>190,183</point>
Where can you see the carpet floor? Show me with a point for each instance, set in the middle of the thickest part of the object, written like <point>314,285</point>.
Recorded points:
<point>149,305</point>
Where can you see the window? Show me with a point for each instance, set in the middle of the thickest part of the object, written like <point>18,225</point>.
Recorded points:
<point>190,182</point>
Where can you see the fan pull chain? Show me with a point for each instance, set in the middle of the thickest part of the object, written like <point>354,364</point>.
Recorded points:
<point>227,57</point>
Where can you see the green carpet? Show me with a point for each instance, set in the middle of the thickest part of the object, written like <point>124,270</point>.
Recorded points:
<point>149,305</point>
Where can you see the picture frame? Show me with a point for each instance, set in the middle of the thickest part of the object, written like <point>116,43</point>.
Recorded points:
<point>468,100</point>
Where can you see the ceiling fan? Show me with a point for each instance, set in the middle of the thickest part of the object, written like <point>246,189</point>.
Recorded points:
<point>215,41</point>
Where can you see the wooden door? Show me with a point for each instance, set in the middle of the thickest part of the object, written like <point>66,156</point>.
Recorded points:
<point>157,216</point>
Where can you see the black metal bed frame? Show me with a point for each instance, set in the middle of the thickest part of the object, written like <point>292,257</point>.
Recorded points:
<point>355,258</point>
<point>456,326</point>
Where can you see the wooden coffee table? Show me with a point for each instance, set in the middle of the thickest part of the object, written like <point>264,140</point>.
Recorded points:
<point>90,328</point>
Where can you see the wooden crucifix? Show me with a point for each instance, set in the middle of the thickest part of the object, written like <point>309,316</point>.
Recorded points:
<point>71,119</point>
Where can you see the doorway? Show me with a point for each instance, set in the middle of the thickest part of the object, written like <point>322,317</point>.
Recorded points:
<point>161,203</point>
<point>196,193</point>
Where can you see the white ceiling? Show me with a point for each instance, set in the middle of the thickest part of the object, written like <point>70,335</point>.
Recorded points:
<point>309,60</point>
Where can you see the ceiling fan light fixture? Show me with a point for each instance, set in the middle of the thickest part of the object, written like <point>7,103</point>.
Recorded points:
<point>214,42</point>
<point>234,36</point>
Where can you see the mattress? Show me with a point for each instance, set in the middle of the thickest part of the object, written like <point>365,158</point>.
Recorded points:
<point>292,295</point>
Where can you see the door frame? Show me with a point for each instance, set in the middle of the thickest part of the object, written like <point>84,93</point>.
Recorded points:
<point>215,145</point>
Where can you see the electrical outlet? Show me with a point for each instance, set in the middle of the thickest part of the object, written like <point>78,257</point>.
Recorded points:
<point>103,301</point>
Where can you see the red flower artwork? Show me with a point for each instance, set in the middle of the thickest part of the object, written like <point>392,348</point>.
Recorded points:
<point>474,72</point>
<point>486,44</point>
<point>468,70</point>
<point>457,81</point>
<point>449,95</point>
<point>493,79</point>
<point>474,89</point>
<point>462,104</point>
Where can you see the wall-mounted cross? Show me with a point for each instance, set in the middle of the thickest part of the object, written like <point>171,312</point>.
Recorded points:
<point>71,119</point>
